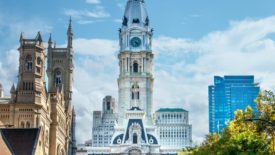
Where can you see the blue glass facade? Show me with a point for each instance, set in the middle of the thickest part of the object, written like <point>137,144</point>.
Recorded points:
<point>228,94</point>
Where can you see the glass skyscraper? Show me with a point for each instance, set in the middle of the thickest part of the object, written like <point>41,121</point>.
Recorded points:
<point>228,94</point>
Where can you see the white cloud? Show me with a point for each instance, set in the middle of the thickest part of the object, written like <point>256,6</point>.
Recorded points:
<point>183,68</point>
<point>96,47</point>
<point>98,12</point>
<point>93,1</point>
<point>10,29</point>
<point>84,22</point>
<point>245,48</point>
<point>8,69</point>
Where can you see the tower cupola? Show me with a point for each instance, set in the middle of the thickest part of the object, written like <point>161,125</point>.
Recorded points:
<point>135,14</point>
<point>135,33</point>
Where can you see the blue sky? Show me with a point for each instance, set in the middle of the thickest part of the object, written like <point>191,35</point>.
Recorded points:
<point>193,41</point>
<point>176,18</point>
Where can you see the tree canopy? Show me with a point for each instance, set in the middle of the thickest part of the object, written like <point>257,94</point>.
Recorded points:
<point>248,134</point>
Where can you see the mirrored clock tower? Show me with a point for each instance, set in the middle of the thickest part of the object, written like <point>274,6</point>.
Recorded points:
<point>135,81</point>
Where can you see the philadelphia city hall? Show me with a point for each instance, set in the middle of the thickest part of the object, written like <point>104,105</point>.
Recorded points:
<point>136,129</point>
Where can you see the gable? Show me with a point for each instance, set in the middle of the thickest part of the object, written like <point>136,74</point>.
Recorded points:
<point>21,141</point>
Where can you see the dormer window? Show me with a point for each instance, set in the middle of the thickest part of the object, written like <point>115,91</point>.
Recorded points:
<point>125,21</point>
<point>136,21</point>
<point>57,78</point>
<point>147,21</point>
<point>28,63</point>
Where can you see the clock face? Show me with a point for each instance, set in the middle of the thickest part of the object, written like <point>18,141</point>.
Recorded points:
<point>135,42</point>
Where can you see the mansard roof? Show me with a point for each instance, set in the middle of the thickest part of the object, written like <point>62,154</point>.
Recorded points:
<point>171,110</point>
<point>21,141</point>
<point>118,138</point>
<point>130,123</point>
<point>152,139</point>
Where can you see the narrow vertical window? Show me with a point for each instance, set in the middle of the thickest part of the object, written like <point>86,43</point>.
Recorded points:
<point>135,92</point>
<point>135,138</point>
<point>28,63</point>
<point>127,64</point>
<point>135,67</point>
<point>108,106</point>
<point>133,96</point>
<point>57,78</point>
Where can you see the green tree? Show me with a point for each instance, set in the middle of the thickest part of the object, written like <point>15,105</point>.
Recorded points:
<point>248,134</point>
<point>266,119</point>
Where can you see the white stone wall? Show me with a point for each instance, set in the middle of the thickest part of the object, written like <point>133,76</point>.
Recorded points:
<point>174,129</point>
<point>103,123</point>
<point>102,134</point>
<point>143,78</point>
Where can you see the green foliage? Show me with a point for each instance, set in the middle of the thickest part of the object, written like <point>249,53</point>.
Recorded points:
<point>248,134</point>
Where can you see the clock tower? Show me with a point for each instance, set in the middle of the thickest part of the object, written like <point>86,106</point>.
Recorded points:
<point>135,80</point>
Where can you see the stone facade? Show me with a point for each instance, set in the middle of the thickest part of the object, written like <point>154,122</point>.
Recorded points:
<point>135,133</point>
<point>33,106</point>
<point>173,128</point>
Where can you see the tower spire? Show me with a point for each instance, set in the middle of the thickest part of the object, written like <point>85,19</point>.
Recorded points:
<point>21,36</point>
<point>70,26</point>
<point>70,34</point>
<point>39,37</point>
<point>50,42</point>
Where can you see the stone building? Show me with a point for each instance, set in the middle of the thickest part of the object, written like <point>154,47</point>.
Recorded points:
<point>32,105</point>
<point>103,123</point>
<point>173,128</point>
<point>135,132</point>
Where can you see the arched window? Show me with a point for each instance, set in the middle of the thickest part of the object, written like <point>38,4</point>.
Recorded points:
<point>28,63</point>
<point>22,125</point>
<point>135,67</point>
<point>57,78</point>
<point>135,138</point>
<point>28,125</point>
